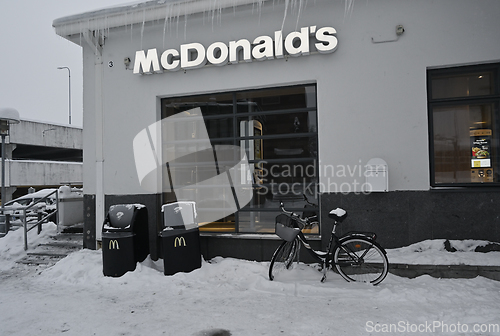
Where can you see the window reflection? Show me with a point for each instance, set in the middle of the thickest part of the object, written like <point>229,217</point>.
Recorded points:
<point>463,105</point>
<point>277,130</point>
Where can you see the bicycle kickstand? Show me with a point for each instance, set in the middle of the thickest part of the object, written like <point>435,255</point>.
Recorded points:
<point>325,268</point>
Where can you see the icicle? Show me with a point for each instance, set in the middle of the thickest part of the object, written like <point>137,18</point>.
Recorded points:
<point>284,15</point>
<point>177,21</point>
<point>143,23</point>
<point>259,8</point>
<point>131,34</point>
<point>165,24</point>
<point>298,15</point>
<point>349,6</point>
<point>212,10</point>
<point>185,26</point>
<point>220,16</point>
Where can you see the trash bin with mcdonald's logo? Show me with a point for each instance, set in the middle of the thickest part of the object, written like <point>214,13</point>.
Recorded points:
<point>180,238</point>
<point>125,238</point>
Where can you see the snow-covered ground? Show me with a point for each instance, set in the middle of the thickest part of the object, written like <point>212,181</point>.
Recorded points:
<point>433,252</point>
<point>234,297</point>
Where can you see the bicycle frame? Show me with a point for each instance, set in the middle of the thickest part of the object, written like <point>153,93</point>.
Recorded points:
<point>326,258</point>
<point>356,256</point>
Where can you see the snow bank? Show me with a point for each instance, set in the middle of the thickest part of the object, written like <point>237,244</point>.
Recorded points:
<point>84,268</point>
<point>236,295</point>
<point>12,245</point>
<point>73,297</point>
<point>433,252</point>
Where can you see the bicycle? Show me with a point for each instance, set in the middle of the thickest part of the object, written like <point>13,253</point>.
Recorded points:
<point>357,257</point>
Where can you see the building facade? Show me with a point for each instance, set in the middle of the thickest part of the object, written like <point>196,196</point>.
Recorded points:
<point>387,109</point>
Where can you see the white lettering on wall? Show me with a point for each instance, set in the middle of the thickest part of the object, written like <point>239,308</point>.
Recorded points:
<point>146,61</point>
<point>236,46</point>
<point>328,41</point>
<point>217,53</point>
<point>263,48</point>
<point>194,55</point>
<point>278,45</point>
<point>297,44</point>
<point>170,60</point>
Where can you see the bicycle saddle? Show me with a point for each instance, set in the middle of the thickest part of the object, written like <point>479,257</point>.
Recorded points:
<point>338,215</point>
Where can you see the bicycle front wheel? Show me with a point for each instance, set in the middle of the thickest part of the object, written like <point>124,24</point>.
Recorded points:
<point>283,258</point>
<point>362,260</point>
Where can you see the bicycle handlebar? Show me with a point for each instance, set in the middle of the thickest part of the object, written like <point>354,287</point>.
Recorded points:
<point>307,200</point>
<point>290,213</point>
<point>282,208</point>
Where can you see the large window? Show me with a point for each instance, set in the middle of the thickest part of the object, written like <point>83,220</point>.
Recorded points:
<point>277,129</point>
<point>464,125</point>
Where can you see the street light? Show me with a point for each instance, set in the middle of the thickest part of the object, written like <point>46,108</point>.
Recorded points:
<point>7,116</point>
<point>69,81</point>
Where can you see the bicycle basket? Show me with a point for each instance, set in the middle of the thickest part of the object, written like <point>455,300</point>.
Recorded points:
<point>286,227</point>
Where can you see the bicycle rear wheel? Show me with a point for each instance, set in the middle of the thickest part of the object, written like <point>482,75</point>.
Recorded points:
<point>362,260</point>
<point>283,258</point>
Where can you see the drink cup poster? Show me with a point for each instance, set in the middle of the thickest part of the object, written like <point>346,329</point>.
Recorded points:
<point>480,148</point>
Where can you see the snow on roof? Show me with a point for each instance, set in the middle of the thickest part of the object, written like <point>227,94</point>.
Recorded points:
<point>140,12</point>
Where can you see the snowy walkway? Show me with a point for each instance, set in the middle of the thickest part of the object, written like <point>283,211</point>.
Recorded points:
<point>73,298</point>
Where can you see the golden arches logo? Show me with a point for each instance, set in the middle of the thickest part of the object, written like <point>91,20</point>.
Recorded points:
<point>113,245</point>
<point>180,240</point>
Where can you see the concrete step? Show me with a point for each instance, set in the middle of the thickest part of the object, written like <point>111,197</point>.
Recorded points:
<point>64,244</point>
<point>37,262</point>
<point>57,248</point>
<point>48,254</point>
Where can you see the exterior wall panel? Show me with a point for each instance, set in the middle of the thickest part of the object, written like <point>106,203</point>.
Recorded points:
<point>371,101</point>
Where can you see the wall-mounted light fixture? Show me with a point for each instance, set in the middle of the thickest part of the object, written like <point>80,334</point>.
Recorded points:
<point>126,61</point>
<point>399,31</point>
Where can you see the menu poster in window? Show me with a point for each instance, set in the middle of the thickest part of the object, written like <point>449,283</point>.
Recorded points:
<point>481,148</point>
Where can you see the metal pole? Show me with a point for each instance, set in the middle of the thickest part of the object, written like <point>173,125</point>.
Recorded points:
<point>69,86</point>
<point>3,174</point>
<point>25,225</point>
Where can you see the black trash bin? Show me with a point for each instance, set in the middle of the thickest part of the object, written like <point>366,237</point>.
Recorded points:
<point>125,238</point>
<point>180,238</point>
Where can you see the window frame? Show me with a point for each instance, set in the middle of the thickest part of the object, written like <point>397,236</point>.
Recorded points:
<point>235,115</point>
<point>493,99</point>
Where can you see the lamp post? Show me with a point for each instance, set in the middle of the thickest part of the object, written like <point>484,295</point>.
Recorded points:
<point>69,85</point>
<point>7,116</point>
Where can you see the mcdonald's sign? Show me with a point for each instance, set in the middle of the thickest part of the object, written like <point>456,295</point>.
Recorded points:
<point>113,244</point>
<point>179,240</point>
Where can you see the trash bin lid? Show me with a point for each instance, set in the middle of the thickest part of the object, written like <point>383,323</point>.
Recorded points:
<point>121,215</point>
<point>179,215</point>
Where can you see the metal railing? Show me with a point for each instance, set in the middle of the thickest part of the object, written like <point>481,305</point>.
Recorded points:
<point>41,218</point>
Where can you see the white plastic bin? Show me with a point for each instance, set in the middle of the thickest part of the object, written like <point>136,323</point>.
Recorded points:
<point>377,176</point>
<point>70,206</point>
